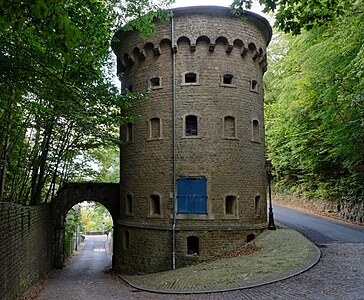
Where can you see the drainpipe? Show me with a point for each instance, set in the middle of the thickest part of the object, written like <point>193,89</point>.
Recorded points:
<point>174,144</point>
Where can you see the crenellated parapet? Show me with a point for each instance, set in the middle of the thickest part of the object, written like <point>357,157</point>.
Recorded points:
<point>240,35</point>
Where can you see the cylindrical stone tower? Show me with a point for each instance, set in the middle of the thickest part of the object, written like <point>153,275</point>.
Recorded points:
<point>193,184</point>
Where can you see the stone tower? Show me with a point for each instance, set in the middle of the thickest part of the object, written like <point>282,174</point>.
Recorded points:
<point>193,183</point>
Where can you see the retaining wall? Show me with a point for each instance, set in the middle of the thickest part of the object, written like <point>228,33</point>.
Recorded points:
<point>25,247</point>
<point>342,210</point>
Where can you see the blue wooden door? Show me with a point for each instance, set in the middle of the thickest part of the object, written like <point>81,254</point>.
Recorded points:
<point>192,196</point>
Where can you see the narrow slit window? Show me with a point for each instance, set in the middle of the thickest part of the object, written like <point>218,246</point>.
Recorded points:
<point>129,204</point>
<point>258,206</point>
<point>155,205</point>
<point>255,130</point>
<point>229,127</point>
<point>227,79</point>
<point>190,77</point>
<point>191,125</point>
<point>126,241</point>
<point>129,132</point>
<point>193,247</point>
<point>230,205</point>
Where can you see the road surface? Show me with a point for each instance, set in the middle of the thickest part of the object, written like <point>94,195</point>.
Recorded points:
<point>320,230</point>
<point>338,275</point>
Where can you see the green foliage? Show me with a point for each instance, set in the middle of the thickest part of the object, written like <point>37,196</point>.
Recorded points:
<point>96,218</point>
<point>315,110</point>
<point>58,97</point>
<point>140,14</point>
<point>294,16</point>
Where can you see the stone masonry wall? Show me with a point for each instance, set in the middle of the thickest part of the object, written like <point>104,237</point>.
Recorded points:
<point>212,44</point>
<point>347,211</point>
<point>25,247</point>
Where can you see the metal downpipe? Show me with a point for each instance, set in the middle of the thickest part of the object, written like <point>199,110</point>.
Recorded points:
<point>174,144</point>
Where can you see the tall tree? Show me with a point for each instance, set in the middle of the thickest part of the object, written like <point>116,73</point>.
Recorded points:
<point>315,109</point>
<point>58,96</point>
<point>294,16</point>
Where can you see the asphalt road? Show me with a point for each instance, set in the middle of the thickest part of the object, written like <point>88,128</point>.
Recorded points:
<point>320,230</point>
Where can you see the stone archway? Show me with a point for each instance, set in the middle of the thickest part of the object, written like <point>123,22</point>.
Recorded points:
<point>72,193</point>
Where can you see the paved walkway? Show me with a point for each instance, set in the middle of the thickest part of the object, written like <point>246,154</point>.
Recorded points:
<point>338,275</point>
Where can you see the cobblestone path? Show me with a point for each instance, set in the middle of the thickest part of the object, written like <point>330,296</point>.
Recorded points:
<point>339,275</point>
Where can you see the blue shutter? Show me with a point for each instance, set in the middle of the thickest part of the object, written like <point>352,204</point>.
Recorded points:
<point>192,196</point>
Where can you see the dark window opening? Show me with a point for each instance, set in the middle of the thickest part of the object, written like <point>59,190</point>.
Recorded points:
<point>229,127</point>
<point>227,79</point>
<point>129,132</point>
<point>129,204</point>
<point>230,204</point>
<point>250,238</point>
<point>190,78</point>
<point>193,245</point>
<point>155,82</point>
<point>192,196</point>
<point>126,242</point>
<point>255,131</point>
<point>155,128</point>
<point>257,205</point>
<point>191,125</point>
<point>254,85</point>
<point>155,205</point>
<point>338,207</point>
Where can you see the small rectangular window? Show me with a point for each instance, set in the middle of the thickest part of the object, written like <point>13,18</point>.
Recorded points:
<point>254,86</point>
<point>227,79</point>
<point>155,128</point>
<point>193,247</point>
<point>155,83</point>
<point>155,205</point>
<point>129,204</point>
<point>191,125</point>
<point>229,127</point>
<point>255,131</point>
<point>190,77</point>
<point>230,205</point>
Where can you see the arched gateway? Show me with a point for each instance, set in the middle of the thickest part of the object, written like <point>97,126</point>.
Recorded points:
<point>72,193</point>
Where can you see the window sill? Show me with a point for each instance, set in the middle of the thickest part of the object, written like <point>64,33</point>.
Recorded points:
<point>256,142</point>
<point>189,84</point>
<point>191,137</point>
<point>231,217</point>
<point>254,91</point>
<point>229,138</point>
<point>194,216</point>
<point>228,85</point>
<point>155,216</point>
<point>154,139</point>
<point>153,88</point>
<point>128,214</point>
